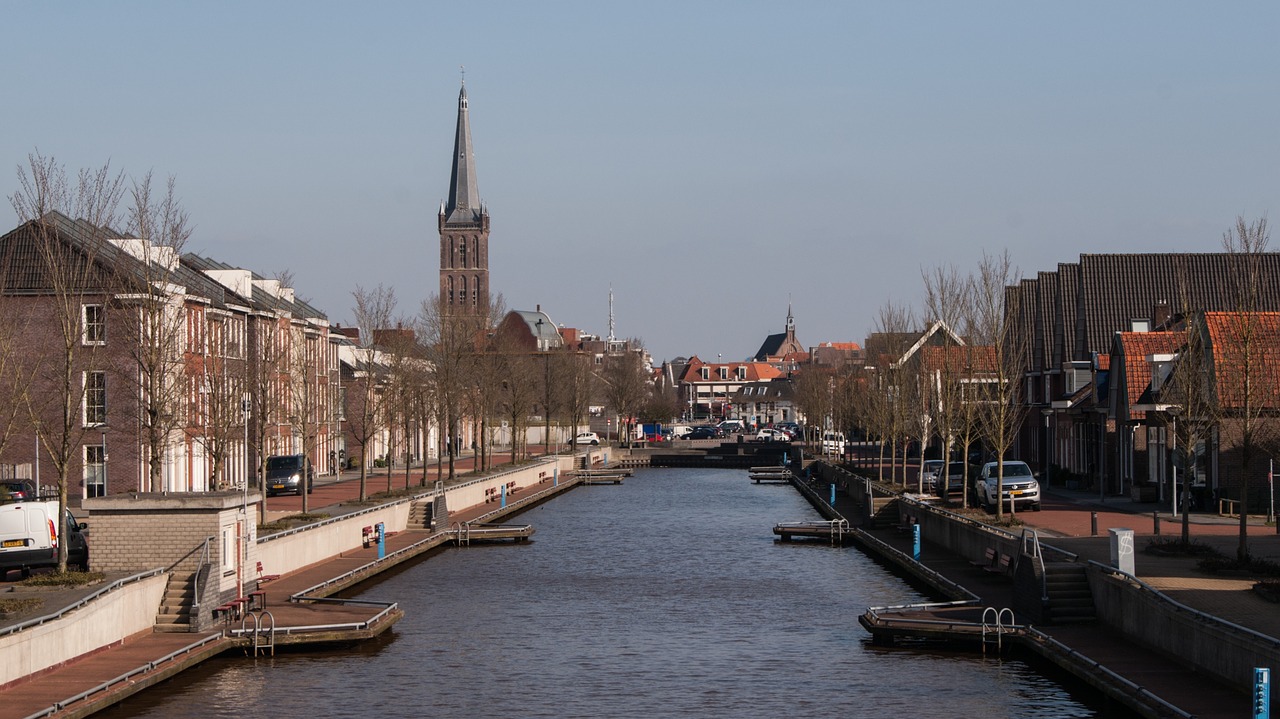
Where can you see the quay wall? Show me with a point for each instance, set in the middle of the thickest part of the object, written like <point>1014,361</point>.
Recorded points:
<point>297,548</point>
<point>104,622</point>
<point>1211,645</point>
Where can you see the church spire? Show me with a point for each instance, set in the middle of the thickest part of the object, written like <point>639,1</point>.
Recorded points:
<point>464,196</point>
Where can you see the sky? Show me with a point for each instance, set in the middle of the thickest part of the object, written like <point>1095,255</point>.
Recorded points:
<point>710,162</point>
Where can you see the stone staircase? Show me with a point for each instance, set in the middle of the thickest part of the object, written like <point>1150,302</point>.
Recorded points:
<point>884,512</point>
<point>420,514</point>
<point>1070,599</point>
<point>175,608</point>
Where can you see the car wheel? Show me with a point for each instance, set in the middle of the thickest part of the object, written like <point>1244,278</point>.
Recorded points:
<point>594,443</point>
<point>1036,507</point>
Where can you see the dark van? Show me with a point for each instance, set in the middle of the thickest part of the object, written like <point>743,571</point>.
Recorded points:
<point>284,474</point>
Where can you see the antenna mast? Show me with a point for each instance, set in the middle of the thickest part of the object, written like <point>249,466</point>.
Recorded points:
<point>611,314</point>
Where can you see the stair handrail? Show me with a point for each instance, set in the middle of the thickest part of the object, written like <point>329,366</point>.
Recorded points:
<point>202,567</point>
<point>1038,556</point>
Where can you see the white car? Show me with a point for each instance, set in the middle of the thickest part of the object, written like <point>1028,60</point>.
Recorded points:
<point>590,438</point>
<point>769,434</point>
<point>1020,486</point>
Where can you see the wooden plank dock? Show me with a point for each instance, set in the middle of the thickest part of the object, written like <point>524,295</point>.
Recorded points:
<point>836,531</point>
<point>770,474</point>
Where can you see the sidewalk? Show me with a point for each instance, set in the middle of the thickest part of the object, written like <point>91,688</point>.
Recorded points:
<point>36,694</point>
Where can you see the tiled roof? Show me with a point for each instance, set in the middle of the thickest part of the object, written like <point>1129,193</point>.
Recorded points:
<point>968,360</point>
<point>1226,331</point>
<point>1116,288</point>
<point>1135,377</point>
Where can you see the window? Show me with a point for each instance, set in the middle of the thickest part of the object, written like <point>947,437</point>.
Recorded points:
<point>451,290</point>
<point>724,373</point>
<point>705,372</point>
<point>475,291</point>
<point>462,249</point>
<point>94,323</point>
<point>95,470</point>
<point>95,398</point>
<point>742,373</point>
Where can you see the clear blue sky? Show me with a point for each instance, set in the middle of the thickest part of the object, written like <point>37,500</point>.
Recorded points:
<point>707,159</point>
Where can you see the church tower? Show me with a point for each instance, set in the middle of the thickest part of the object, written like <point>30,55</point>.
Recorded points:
<point>464,228</point>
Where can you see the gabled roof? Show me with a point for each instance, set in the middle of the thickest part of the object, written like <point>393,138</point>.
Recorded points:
<point>1131,370</point>
<point>937,332</point>
<point>961,361</point>
<point>1116,288</point>
<point>1228,350</point>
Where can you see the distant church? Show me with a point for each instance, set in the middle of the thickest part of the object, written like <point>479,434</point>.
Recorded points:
<point>781,347</point>
<point>464,228</point>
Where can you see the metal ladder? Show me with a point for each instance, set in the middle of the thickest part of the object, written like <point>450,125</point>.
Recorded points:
<point>264,627</point>
<point>461,534</point>
<point>838,529</point>
<point>993,631</point>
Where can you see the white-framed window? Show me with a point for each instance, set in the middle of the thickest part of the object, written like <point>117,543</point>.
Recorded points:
<point>95,470</point>
<point>742,372</point>
<point>229,549</point>
<point>95,398</point>
<point>724,373</point>
<point>705,372</point>
<point>94,324</point>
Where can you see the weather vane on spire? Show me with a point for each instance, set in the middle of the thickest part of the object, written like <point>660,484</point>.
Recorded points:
<point>463,68</point>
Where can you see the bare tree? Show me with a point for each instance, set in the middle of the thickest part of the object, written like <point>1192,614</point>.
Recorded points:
<point>1240,360</point>
<point>812,393</point>
<point>305,390</point>
<point>268,379</point>
<point>626,386</point>
<point>996,311</point>
<point>158,328</point>
<point>576,385</point>
<point>893,337</point>
<point>519,390</point>
<point>71,279</point>
<point>451,341</point>
<point>947,300</point>
<point>366,399</point>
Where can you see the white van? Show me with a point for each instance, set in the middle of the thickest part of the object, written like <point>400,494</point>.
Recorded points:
<point>833,442</point>
<point>29,537</point>
<point>680,431</point>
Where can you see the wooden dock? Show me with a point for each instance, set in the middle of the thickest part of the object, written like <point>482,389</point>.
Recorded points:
<point>467,532</point>
<point>836,531</point>
<point>963,622</point>
<point>602,475</point>
<point>770,474</point>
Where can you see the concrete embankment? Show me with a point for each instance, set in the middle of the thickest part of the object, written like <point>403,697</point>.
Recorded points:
<point>105,650</point>
<point>1143,650</point>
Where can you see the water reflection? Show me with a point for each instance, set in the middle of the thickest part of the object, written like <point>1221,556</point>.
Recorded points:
<point>664,597</point>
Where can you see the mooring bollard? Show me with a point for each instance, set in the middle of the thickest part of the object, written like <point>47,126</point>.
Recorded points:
<point>503,487</point>
<point>915,541</point>
<point>1093,524</point>
<point>833,495</point>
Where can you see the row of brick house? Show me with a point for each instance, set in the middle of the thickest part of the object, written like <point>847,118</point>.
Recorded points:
<point>214,365</point>
<point>1104,333</point>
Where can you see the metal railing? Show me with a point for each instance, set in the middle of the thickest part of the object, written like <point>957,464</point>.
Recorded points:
<point>1031,547</point>
<point>387,608</point>
<point>140,669</point>
<point>1167,709</point>
<point>1200,616</point>
<point>80,603</point>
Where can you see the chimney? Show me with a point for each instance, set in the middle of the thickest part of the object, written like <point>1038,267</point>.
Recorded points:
<point>1160,315</point>
<point>537,308</point>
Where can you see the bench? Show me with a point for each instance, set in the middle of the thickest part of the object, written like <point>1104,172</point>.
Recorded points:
<point>263,578</point>
<point>988,559</point>
<point>1001,566</point>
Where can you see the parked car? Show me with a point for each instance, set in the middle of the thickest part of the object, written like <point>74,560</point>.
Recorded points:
<point>29,538</point>
<point>680,431</point>
<point>930,473</point>
<point>791,428</point>
<point>705,433</point>
<point>590,438</point>
<point>285,475</point>
<point>17,490</point>
<point>730,426</point>
<point>769,434</point>
<point>955,479</point>
<point>1020,486</point>
<point>833,442</point>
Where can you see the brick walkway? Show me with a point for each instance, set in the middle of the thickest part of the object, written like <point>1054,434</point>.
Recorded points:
<point>1065,522</point>
<point>34,694</point>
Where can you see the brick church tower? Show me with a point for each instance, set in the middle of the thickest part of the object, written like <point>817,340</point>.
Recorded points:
<point>464,228</point>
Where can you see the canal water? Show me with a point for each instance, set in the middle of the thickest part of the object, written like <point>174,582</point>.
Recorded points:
<point>666,596</point>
